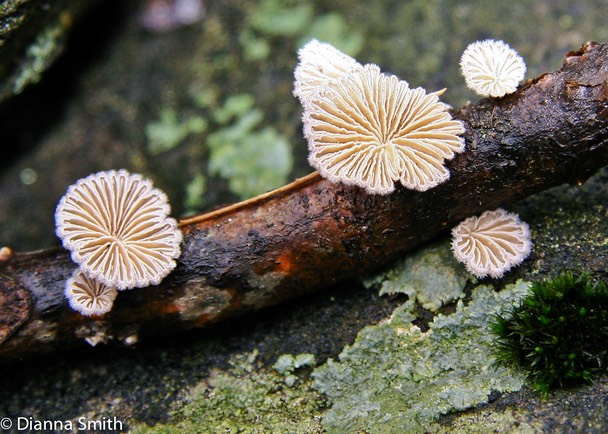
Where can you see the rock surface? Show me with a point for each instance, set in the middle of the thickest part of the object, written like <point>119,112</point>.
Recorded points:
<point>93,109</point>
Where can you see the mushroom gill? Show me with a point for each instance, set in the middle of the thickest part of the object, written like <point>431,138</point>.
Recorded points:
<point>492,68</point>
<point>370,129</point>
<point>492,243</point>
<point>117,228</point>
<point>319,62</point>
<point>88,296</point>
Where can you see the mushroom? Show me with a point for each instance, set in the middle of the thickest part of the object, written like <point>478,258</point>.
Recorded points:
<point>117,228</point>
<point>492,68</point>
<point>370,129</point>
<point>492,243</point>
<point>319,62</point>
<point>88,296</point>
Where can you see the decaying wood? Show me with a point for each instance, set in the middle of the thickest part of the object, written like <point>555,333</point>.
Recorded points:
<point>314,233</point>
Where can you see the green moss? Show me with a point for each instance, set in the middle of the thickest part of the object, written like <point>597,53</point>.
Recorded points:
<point>247,399</point>
<point>558,333</point>
<point>396,378</point>
<point>431,276</point>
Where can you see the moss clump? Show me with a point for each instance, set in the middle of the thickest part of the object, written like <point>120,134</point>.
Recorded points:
<point>558,333</point>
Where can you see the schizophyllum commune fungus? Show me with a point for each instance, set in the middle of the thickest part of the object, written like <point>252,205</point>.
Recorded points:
<point>492,68</point>
<point>117,227</point>
<point>88,296</point>
<point>492,243</point>
<point>371,129</point>
<point>319,62</point>
<point>558,333</point>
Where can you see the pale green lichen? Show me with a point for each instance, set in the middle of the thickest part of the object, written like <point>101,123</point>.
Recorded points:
<point>195,191</point>
<point>287,364</point>
<point>253,160</point>
<point>39,56</point>
<point>247,399</point>
<point>396,378</point>
<point>431,276</point>
<point>169,131</point>
<point>520,421</point>
<point>333,28</point>
<point>281,18</point>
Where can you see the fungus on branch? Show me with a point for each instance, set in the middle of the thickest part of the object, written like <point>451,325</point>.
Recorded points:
<point>370,129</point>
<point>492,68</point>
<point>319,63</point>
<point>88,296</point>
<point>492,243</point>
<point>117,228</point>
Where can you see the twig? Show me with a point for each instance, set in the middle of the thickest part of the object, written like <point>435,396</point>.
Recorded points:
<point>312,234</point>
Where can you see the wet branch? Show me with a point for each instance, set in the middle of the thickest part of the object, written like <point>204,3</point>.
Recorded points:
<point>312,234</point>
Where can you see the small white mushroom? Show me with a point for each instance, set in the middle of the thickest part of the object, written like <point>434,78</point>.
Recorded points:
<point>117,228</point>
<point>492,243</point>
<point>370,129</point>
<point>88,296</point>
<point>492,68</point>
<point>319,62</point>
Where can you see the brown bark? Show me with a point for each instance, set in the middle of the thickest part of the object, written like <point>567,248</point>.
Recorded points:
<point>314,234</point>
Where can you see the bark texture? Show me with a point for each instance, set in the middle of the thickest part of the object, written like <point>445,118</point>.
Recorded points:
<point>552,131</point>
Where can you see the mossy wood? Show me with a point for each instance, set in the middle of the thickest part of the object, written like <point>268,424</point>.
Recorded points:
<point>552,131</point>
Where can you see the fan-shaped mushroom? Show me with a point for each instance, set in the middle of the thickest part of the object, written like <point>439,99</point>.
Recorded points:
<point>88,296</point>
<point>117,228</point>
<point>319,62</point>
<point>492,68</point>
<point>492,243</point>
<point>370,129</point>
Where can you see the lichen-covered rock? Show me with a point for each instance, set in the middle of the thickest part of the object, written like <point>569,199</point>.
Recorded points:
<point>32,35</point>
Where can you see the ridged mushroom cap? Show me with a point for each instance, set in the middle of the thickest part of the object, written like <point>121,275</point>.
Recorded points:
<point>88,296</point>
<point>370,129</point>
<point>492,68</point>
<point>319,62</point>
<point>117,228</point>
<point>492,243</point>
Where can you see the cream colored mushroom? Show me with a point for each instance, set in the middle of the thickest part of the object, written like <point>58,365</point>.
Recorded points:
<point>319,62</point>
<point>492,68</point>
<point>88,296</point>
<point>370,129</point>
<point>492,243</point>
<point>117,228</point>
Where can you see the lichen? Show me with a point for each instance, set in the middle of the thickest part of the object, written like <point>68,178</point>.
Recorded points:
<point>169,131</point>
<point>247,399</point>
<point>396,378</point>
<point>431,276</point>
<point>39,55</point>
<point>252,159</point>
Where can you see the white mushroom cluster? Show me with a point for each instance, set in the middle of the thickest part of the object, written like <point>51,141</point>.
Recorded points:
<point>370,129</point>
<point>492,68</point>
<point>118,230</point>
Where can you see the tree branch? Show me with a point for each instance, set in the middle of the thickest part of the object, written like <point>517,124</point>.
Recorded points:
<point>312,234</point>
